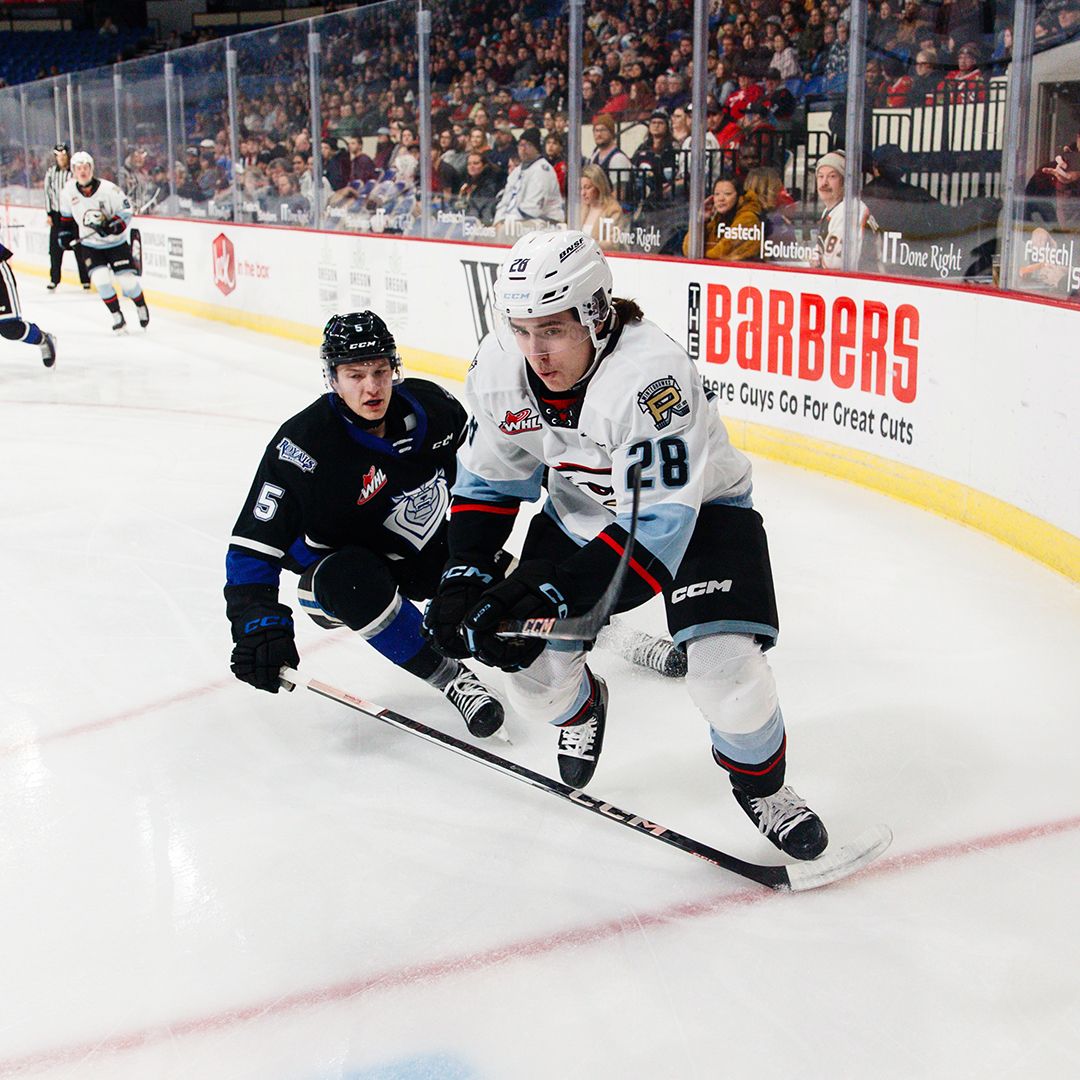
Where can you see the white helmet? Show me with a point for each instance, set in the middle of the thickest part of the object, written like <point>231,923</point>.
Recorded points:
<point>548,272</point>
<point>81,158</point>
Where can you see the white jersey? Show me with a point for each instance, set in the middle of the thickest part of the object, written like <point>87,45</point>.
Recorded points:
<point>531,194</point>
<point>105,202</point>
<point>830,238</point>
<point>645,403</point>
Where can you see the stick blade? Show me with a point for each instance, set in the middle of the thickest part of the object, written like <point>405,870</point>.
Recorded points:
<point>839,863</point>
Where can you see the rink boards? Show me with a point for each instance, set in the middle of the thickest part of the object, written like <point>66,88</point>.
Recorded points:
<point>959,400</point>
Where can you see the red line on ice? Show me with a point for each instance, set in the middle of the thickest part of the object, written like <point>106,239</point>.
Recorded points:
<point>425,974</point>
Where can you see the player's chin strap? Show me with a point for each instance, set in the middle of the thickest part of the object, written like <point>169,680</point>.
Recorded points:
<point>584,627</point>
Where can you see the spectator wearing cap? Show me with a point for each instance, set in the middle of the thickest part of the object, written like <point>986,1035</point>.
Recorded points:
<point>503,149</point>
<point>606,153</point>
<point>335,163</point>
<point>896,205</point>
<point>655,159</point>
<point>778,99</point>
<point>829,254</point>
<point>531,198</point>
<point>965,84</point>
<point>749,91</point>
<point>384,148</point>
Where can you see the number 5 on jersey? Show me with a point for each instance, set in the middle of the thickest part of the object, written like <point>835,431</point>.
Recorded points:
<point>266,504</point>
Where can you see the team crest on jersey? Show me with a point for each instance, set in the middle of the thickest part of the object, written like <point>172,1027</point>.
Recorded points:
<point>516,423</point>
<point>418,514</point>
<point>374,481</point>
<point>662,400</point>
<point>288,451</point>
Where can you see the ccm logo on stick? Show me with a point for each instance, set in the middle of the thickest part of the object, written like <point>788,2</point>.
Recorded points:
<point>700,588</point>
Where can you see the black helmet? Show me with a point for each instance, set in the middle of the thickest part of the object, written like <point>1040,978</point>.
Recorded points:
<point>62,148</point>
<point>356,337</point>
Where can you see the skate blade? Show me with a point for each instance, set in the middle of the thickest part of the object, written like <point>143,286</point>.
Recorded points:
<point>502,735</point>
<point>842,862</point>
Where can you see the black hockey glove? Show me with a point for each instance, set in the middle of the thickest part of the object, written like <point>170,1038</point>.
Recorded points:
<point>531,591</point>
<point>263,645</point>
<point>460,589</point>
<point>112,227</point>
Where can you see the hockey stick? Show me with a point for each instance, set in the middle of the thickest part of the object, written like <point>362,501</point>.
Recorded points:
<point>834,865</point>
<point>584,627</point>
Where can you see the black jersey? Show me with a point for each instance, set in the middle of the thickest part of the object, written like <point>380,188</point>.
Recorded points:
<point>324,483</point>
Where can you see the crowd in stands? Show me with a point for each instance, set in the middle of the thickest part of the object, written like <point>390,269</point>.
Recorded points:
<point>499,122</point>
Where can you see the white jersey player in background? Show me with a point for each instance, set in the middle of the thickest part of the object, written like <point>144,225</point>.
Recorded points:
<point>573,390</point>
<point>102,215</point>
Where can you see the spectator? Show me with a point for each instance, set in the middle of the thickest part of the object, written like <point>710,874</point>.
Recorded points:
<point>601,215</point>
<point>875,84</point>
<point>776,203</point>
<point>830,236</point>
<point>531,198</point>
<point>335,164</point>
<point>618,101</point>
<point>361,167</point>
<point>555,152</point>
<point>836,62</point>
<point>965,84</point>
<point>384,147</point>
<point>306,180</point>
<point>606,153</point>
<point>925,80</point>
<point>784,57</point>
<point>1064,173</point>
<point>812,38</point>
<point>734,224</point>
<point>897,84</point>
<point>655,160</point>
<point>749,91</point>
<point>778,99</point>
<point>896,205</point>
<point>452,155</point>
<point>503,150</point>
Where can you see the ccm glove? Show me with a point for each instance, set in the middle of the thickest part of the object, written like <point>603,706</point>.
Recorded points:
<point>263,645</point>
<point>460,589</point>
<point>531,591</point>
<point>113,227</point>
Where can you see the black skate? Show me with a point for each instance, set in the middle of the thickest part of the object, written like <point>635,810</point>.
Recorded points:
<point>787,821</point>
<point>144,315</point>
<point>52,286</point>
<point>47,345</point>
<point>119,324</point>
<point>483,712</point>
<point>580,743</point>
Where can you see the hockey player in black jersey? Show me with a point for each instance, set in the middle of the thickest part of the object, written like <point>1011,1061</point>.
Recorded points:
<point>352,493</point>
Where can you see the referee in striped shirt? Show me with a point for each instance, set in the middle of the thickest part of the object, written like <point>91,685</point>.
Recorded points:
<point>61,230</point>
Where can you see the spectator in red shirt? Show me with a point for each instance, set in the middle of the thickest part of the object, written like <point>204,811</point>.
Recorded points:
<point>618,101</point>
<point>966,83</point>
<point>898,85</point>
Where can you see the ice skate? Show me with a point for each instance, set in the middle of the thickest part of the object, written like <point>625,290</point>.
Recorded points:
<point>48,350</point>
<point>52,286</point>
<point>144,315</point>
<point>119,324</point>
<point>787,821</point>
<point>483,712</point>
<point>580,743</point>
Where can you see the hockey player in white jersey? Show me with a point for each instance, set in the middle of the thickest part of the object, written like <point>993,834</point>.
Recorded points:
<point>102,215</point>
<point>573,389</point>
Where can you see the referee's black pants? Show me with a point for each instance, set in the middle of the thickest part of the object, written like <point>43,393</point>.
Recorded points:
<point>58,240</point>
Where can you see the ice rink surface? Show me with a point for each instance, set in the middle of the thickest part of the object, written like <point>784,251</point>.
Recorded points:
<point>200,880</point>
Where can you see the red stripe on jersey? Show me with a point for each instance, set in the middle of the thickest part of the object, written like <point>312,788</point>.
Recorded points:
<point>634,564</point>
<point>483,508</point>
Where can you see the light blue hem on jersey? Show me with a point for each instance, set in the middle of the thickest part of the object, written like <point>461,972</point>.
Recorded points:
<point>470,486</point>
<point>728,626</point>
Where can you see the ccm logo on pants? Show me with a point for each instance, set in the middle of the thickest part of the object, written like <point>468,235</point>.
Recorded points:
<point>700,588</point>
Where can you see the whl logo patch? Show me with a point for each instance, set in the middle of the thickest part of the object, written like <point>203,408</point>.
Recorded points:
<point>288,451</point>
<point>516,423</point>
<point>374,481</point>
